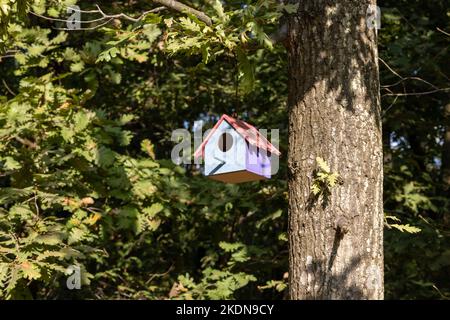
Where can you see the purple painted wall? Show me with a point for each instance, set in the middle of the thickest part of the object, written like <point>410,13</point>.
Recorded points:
<point>258,161</point>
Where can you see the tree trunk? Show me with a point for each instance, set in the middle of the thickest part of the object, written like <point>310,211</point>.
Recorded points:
<point>336,244</point>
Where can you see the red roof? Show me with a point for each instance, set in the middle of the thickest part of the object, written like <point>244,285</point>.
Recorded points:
<point>247,131</point>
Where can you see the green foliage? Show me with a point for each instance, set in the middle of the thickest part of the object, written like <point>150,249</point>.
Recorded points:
<point>324,180</point>
<point>9,9</point>
<point>59,158</point>
<point>401,227</point>
<point>279,285</point>
<point>218,284</point>
<point>416,265</point>
<point>82,189</point>
<point>233,34</point>
<point>85,123</point>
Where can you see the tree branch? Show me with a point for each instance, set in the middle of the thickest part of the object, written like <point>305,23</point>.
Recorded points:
<point>415,93</point>
<point>6,85</point>
<point>440,30</point>
<point>178,6</point>
<point>88,28</point>
<point>104,19</point>
<point>402,80</point>
<point>26,142</point>
<point>123,15</point>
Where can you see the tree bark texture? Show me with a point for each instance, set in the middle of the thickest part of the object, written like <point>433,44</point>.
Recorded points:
<point>336,244</point>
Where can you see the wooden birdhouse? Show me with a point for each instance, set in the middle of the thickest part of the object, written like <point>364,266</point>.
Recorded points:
<point>235,151</point>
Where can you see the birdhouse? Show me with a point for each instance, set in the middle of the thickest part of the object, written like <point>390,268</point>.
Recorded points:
<point>235,151</point>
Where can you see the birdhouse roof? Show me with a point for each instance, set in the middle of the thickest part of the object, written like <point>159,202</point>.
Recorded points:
<point>247,131</point>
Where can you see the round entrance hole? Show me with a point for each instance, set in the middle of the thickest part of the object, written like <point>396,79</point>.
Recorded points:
<point>225,142</point>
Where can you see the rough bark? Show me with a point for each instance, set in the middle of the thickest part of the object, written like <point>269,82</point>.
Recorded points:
<point>334,113</point>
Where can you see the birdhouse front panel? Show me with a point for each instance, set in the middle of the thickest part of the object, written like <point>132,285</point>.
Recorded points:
<point>225,151</point>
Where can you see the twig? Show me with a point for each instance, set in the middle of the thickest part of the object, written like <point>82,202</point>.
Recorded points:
<point>7,56</point>
<point>80,10</point>
<point>172,4</point>
<point>388,108</point>
<point>16,240</point>
<point>8,88</point>
<point>402,79</point>
<point>410,78</point>
<point>88,28</point>
<point>26,142</point>
<point>159,275</point>
<point>440,30</point>
<point>123,15</point>
<point>104,19</point>
<point>440,293</point>
<point>415,93</point>
<point>390,69</point>
<point>37,207</point>
<point>65,20</point>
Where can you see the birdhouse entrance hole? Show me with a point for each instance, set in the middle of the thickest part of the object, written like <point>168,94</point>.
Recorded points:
<point>225,142</point>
